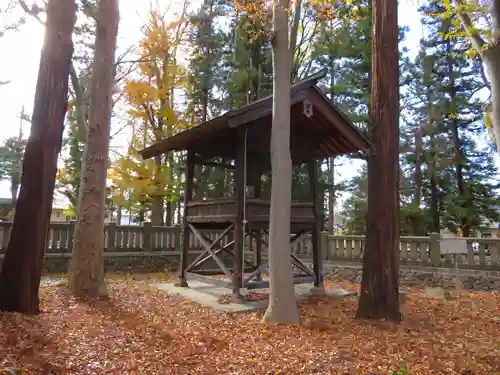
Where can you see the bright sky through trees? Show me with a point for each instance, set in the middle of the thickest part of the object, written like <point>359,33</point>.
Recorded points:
<point>21,50</point>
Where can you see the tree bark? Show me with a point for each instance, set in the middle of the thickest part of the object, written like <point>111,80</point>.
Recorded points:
<point>22,266</point>
<point>457,143</point>
<point>158,200</point>
<point>434,204</point>
<point>282,303</point>
<point>17,163</point>
<point>119,215</point>
<point>331,195</point>
<point>418,167</point>
<point>331,161</point>
<point>379,298</point>
<point>87,265</point>
<point>80,106</point>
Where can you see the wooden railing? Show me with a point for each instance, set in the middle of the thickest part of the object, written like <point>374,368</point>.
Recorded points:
<point>483,253</point>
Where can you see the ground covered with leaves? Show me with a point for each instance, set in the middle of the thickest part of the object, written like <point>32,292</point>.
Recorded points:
<point>140,330</point>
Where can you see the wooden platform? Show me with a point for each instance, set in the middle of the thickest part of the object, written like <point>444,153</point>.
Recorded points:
<point>210,213</point>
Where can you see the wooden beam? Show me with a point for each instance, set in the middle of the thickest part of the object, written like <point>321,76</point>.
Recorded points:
<point>318,218</point>
<point>335,118</point>
<point>263,109</point>
<point>209,163</point>
<point>208,247</point>
<point>239,195</point>
<point>188,196</point>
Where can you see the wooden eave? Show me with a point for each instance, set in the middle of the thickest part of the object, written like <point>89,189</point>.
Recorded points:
<point>327,133</point>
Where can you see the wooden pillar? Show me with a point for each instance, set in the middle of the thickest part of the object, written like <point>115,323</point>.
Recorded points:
<point>239,196</point>
<point>318,217</point>
<point>188,196</point>
<point>258,250</point>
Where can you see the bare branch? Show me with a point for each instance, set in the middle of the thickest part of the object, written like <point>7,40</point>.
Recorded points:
<point>118,131</point>
<point>34,11</point>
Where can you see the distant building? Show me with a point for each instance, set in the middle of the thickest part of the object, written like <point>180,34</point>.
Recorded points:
<point>58,214</point>
<point>128,219</point>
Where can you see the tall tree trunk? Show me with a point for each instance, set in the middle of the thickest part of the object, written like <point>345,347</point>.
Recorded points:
<point>294,31</point>
<point>331,194</point>
<point>418,167</point>
<point>22,266</point>
<point>379,298</point>
<point>434,206</point>
<point>178,211</point>
<point>157,203</point>
<point>282,303</point>
<point>87,264</point>
<point>119,215</point>
<point>17,165</point>
<point>415,219</point>
<point>331,161</point>
<point>457,144</point>
<point>255,51</point>
<point>80,103</point>
<point>169,159</point>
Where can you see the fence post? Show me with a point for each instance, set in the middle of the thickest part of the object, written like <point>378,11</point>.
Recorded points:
<point>323,245</point>
<point>177,233</point>
<point>111,245</point>
<point>5,235</point>
<point>435,249</point>
<point>147,228</point>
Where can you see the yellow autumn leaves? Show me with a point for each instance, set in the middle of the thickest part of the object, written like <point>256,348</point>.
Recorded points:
<point>150,96</point>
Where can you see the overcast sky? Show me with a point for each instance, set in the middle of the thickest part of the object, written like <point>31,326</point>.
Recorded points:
<point>21,52</point>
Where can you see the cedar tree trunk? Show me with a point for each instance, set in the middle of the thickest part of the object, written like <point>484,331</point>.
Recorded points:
<point>87,264</point>
<point>379,296</point>
<point>22,266</point>
<point>282,303</point>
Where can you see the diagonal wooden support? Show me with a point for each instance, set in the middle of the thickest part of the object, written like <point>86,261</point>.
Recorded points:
<point>207,246</point>
<point>254,274</point>
<point>224,249</point>
<point>198,261</point>
<point>295,261</point>
<point>299,264</point>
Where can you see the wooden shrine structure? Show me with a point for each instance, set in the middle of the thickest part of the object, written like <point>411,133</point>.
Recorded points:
<point>318,130</point>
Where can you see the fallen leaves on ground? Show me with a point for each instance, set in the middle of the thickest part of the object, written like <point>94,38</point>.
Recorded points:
<point>140,330</point>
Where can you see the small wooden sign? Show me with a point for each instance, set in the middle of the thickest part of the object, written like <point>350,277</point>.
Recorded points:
<point>307,108</point>
<point>453,245</point>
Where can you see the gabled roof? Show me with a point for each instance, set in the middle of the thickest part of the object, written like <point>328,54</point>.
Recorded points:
<point>331,132</point>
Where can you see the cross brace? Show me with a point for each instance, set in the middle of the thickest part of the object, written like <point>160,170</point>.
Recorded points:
<point>212,249</point>
<point>309,274</point>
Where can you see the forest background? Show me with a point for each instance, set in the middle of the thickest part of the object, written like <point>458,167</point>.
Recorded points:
<point>350,177</point>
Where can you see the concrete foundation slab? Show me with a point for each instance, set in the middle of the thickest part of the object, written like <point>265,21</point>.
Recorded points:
<point>208,295</point>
